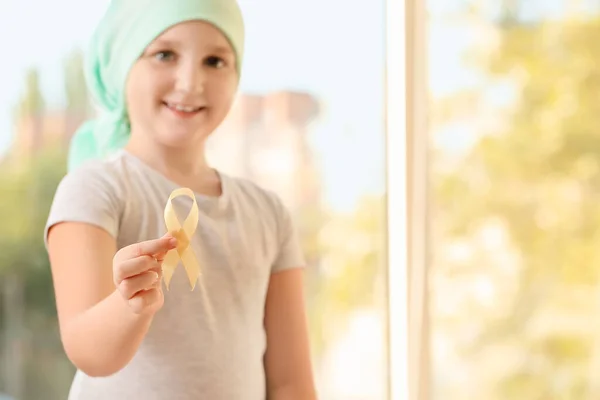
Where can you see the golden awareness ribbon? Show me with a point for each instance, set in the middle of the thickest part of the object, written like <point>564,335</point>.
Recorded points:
<point>183,234</point>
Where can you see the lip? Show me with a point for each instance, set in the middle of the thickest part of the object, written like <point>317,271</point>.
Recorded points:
<point>184,114</point>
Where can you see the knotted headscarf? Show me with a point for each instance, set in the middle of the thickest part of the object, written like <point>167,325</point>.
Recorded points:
<point>122,35</point>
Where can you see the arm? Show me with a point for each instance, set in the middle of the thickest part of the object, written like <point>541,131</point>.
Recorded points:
<point>287,359</point>
<point>99,331</point>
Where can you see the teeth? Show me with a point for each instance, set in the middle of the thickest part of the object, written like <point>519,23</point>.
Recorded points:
<point>184,108</point>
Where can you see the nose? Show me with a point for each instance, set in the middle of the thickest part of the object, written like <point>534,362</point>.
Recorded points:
<point>190,78</point>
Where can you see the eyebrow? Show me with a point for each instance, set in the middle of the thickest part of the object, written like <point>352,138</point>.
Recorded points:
<point>221,50</point>
<point>164,43</point>
<point>224,50</point>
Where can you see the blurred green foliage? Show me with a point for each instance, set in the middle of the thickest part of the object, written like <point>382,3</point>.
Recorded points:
<point>539,175</point>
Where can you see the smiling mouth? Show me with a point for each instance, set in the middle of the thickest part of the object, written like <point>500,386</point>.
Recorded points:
<point>183,109</point>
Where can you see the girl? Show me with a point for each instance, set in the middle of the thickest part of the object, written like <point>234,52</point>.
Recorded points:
<point>165,73</point>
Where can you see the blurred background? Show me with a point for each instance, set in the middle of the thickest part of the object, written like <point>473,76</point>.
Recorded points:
<point>514,170</point>
<point>308,124</point>
<point>515,211</point>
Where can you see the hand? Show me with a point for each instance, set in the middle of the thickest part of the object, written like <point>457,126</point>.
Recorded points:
<point>137,273</point>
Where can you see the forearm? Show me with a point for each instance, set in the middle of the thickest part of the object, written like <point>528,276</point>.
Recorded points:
<point>103,339</point>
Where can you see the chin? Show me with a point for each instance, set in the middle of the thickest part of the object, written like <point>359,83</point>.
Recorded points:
<point>182,140</point>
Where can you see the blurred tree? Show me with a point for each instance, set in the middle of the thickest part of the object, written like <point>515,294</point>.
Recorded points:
<point>27,313</point>
<point>34,365</point>
<point>32,102</point>
<point>351,247</point>
<point>75,85</point>
<point>78,101</point>
<point>541,178</point>
<point>32,105</point>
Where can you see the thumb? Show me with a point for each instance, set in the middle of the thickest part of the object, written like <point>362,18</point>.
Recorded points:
<point>160,256</point>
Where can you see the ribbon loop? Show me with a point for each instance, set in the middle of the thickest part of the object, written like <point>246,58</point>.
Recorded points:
<point>183,234</point>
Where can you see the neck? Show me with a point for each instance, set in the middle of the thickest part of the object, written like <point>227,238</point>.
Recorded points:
<point>185,166</point>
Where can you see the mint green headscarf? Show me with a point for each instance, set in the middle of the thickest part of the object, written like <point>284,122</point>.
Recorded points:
<point>123,34</point>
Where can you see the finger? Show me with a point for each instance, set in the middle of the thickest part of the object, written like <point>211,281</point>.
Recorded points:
<point>135,266</point>
<point>158,283</point>
<point>131,286</point>
<point>157,269</point>
<point>160,257</point>
<point>160,276</point>
<point>148,247</point>
<point>144,299</point>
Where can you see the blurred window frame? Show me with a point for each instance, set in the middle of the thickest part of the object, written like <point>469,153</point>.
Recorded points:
<point>407,181</point>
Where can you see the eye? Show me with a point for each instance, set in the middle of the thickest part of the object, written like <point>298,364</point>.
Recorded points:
<point>166,55</point>
<point>215,62</point>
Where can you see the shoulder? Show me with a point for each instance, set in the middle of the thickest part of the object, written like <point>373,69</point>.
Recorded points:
<point>96,176</point>
<point>262,199</point>
<point>94,193</point>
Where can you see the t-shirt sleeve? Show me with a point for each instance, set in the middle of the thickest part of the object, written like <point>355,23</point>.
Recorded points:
<point>290,254</point>
<point>88,194</point>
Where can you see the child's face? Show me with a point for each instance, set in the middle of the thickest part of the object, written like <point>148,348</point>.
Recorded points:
<point>183,86</point>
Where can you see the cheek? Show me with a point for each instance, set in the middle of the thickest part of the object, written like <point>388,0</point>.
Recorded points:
<point>222,92</point>
<point>143,95</point>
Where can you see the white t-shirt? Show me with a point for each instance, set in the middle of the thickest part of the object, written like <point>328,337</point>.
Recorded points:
<point>242,237</point>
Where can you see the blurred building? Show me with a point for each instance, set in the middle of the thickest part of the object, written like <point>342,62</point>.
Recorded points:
<point>264,138</point>
<point>37,132</point>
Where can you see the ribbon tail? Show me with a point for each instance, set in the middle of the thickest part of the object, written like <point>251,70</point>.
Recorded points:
<point>168,266</point>
<point>192,268</point>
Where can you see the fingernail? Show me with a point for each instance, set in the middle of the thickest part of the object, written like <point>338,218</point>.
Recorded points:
<point>155,276</point>
<point>173,242</point>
